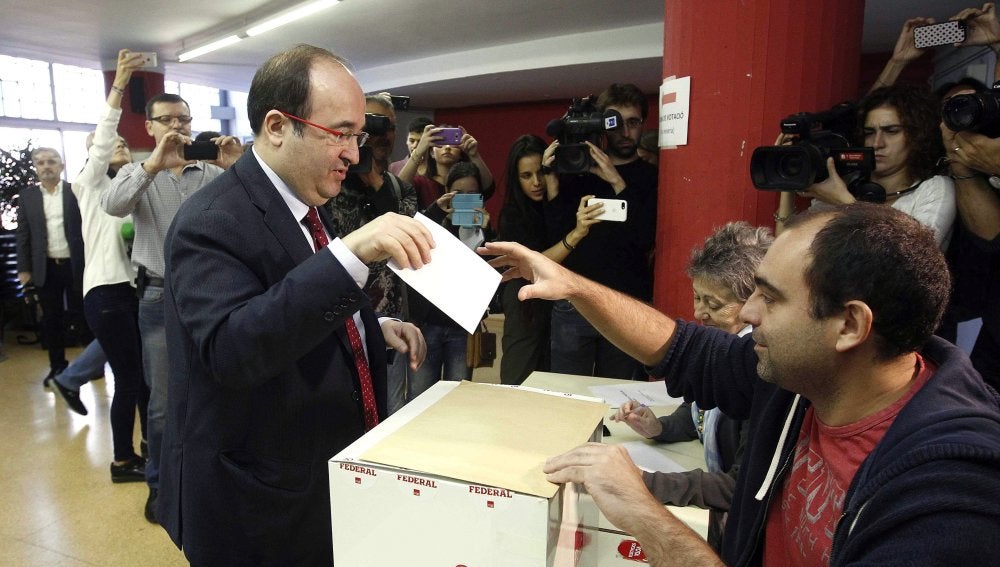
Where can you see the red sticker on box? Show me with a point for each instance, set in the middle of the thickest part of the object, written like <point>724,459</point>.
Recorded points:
<point>631,550</point>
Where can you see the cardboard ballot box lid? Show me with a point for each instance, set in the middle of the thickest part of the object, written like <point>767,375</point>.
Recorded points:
<point>488,434</point>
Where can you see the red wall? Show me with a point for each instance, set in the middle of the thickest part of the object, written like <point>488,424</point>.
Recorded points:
<point>766,59</point>
<point>132,126</point>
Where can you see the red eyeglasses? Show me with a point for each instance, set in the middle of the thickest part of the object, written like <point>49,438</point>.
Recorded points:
<point>335,137</point>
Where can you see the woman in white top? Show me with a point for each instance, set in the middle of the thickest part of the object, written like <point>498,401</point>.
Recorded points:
<point>110,301</point>
<point>901,122</point>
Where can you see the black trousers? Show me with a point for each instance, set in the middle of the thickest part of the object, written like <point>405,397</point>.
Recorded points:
<point>113,315</point>
<point>56,297</point>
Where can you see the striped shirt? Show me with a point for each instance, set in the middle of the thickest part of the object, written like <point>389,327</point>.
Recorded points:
<point>153,201</point>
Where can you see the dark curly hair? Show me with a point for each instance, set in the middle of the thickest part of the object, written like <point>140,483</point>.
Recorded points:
<point>919,114</point>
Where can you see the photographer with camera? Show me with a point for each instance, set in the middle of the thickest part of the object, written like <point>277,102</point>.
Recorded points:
<point>152,191</point>
<point>365,196</point>
<point>617,254</point>
<point>974,162</point>
<point>531,182</point>
<point>900,123</point>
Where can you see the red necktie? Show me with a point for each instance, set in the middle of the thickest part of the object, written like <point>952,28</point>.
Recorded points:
<point>320,241</point>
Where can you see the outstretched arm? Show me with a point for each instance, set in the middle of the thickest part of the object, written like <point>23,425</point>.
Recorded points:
<point>635,327</point>
<point>904,52</point>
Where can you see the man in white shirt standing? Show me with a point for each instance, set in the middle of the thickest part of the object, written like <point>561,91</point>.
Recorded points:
<point>50,252</point>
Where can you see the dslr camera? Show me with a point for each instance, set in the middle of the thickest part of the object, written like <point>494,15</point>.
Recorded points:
<point>583,122</point>
<point>977,112</point>
<point>376,125</point>
<point>820,135</point>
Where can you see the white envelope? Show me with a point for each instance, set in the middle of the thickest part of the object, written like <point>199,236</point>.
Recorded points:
<point>457,281</point>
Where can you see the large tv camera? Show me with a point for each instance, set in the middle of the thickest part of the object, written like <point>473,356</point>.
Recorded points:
<point>820,135</point>
<point>583,122</point>
<point>977,112</point>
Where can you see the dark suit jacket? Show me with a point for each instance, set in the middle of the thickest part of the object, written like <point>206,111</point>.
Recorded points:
<point>263,390</point>
<point>33,237</point>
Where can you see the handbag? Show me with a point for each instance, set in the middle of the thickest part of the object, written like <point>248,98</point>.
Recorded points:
<point>481,348</point>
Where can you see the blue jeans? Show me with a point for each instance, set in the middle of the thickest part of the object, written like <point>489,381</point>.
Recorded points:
<point>155,368</point>
<point>112,313</point>
<point>84,368</point>
<point>578,348</point>
<point>445,358</point>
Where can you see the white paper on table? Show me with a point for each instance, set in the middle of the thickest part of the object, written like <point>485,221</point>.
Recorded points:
<point>650,459</point>
<point>457,281</point>
<point>648,393</point>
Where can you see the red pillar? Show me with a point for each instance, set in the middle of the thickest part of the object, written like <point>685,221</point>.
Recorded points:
<point>132,126</point>
<point>751,63</point>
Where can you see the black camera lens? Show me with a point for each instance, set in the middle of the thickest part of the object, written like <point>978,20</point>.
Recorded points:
<point>978,112</point>
<point>790,166</point>
<point>573,158</point>
<point>376,124</point>
<point>962,112</point>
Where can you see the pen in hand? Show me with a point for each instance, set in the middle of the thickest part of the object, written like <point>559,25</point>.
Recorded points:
<point>635,403</point>
<point>632,405</point>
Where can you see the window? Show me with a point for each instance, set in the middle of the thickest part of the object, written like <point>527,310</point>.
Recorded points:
<point>80,93</point>
<point>201,100</point>
<point>25,88</point>
<point>59,102</point>
<point>56,106</point>
<point>238,100</point>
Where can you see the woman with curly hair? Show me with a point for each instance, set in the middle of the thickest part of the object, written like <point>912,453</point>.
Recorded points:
<point>901,122</point>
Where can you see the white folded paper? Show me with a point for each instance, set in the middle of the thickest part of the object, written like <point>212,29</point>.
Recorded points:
<point>457,281</point>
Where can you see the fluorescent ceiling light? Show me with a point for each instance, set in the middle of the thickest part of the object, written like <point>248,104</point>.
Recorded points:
<point>208,48</point>
<point>291,16</point>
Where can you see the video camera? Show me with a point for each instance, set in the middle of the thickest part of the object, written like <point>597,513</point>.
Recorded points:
<point>820,135</point>
<point>976,112</point>
<point>583,122</point>
<point>376,125</point>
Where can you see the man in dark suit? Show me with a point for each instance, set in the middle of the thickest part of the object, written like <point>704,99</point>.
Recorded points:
<point>50,252</point>
<point>270,375</point>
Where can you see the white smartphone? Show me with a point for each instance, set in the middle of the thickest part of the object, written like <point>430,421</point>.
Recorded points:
<point>614,209</point>
<point>148,58</point>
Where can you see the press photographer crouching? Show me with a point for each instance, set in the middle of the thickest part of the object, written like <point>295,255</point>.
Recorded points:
<point>897,128</point>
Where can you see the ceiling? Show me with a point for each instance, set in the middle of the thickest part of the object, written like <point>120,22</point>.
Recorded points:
<point>441,53</point>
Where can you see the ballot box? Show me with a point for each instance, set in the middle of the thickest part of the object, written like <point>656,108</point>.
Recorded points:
<point>455,479</point>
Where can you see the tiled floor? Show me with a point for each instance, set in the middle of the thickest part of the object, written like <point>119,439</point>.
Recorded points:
<point>58,506</point>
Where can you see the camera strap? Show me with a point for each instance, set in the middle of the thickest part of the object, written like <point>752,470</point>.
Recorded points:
<point>909,189</point>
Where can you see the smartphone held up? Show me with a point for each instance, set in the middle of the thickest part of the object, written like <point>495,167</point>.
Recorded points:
<point>945,33</point>
<point>449,137</point>
<point>205,151</point>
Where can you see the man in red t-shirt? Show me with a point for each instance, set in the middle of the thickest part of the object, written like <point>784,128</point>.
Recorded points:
<point>870,440</point>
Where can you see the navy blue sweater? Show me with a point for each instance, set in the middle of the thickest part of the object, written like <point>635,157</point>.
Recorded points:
<point>929,494</point>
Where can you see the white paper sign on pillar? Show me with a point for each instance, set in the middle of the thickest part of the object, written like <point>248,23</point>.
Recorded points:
<point>675,103</point>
